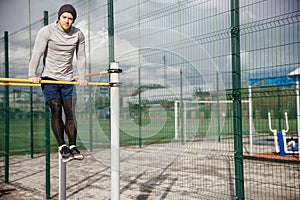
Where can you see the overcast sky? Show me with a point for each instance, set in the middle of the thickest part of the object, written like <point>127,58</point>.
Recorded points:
<point>14,16</point>
<point>14,13</point>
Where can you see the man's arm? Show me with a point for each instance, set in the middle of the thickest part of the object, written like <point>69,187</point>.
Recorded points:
<point>81,60</point>
<point>39,48</point>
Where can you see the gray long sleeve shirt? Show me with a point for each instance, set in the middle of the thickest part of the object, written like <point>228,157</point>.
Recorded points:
<point>58,48</point>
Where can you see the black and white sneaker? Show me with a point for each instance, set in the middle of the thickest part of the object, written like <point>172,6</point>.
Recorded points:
<point>76,153</point>
<point>66,154</point>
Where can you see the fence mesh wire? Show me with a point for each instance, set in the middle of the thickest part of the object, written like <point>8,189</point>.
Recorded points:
<point>177,137</point>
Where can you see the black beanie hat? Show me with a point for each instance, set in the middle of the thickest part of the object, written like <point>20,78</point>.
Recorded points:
<point>67,8</point>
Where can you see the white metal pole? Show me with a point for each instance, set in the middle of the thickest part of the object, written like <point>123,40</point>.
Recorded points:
<point>62,176</point>
<point>115,131</point>
<point>250,120</point>
<point>298,112</point>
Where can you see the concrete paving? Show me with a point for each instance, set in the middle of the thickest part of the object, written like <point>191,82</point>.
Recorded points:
<point>166,171</point>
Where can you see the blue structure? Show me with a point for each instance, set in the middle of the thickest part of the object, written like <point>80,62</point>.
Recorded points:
<point>282,76</point>
<point>286,151</point>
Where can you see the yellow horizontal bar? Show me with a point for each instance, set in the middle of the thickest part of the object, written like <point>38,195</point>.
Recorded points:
<point>28,81</point>
<point>19,84</point>
<point>98,84</point>
<point>38,84</point>
<point>93,74</point>
<point>23,81</point>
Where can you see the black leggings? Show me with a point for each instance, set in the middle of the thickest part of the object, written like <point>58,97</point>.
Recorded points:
<point>57,124</point>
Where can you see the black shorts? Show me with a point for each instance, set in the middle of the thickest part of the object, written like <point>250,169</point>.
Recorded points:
<point>57,91</point>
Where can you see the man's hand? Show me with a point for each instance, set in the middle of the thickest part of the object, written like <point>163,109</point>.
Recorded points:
<point>82,82</point>
<point>35,79</point>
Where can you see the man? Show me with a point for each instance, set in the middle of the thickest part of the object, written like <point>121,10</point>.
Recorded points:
<point>57,43</point>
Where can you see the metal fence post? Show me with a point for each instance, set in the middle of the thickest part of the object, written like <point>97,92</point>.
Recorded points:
<point>47,134</point>
<point>237,102</point>
<point>110,19</point>
<point>31,89</point>
<point>6,128</point>
<point>47,138</point>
